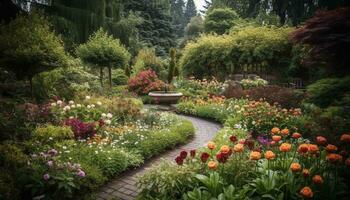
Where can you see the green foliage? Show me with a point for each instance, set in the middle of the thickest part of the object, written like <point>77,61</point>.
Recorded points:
<point>172,65</point>
<point>49,133</point>
<point>158,141</point>
<point>194,28</point>
<point>219,56</point>
<point>147,59</point>
<point>102,50</point>
<point>178,18</point>
<point>251,83</point>
<point>119,77</point>
<point>66,83</point>
<point>220,20</point>
<point>190,10</point>
<point>28,46</point>
<point>329,91</point>
<point>160,182</point>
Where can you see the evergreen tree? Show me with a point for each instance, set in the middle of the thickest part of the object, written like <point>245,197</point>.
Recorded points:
<point>207,5</point>
<point>177,13</point>
<point>156,30</point>
<point>190,11</point>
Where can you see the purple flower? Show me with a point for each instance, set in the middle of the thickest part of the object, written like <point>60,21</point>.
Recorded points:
<point>264,140</point>
<point>50,163</point>
<point>81,173</point>
<point>52,152</point>
<point>46,177</point>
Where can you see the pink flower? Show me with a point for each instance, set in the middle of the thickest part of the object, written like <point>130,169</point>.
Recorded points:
<point>49,163</point>
<point>81,173</point>
<point>46,177</point>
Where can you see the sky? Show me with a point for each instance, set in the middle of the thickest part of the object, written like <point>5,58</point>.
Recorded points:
<point>199,4</point>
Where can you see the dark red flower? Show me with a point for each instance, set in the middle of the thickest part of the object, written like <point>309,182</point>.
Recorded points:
<point>80,129</point>
<point>233,138</point>
<point>193,153</point>
<point>222,158</point>
<point>183,154</point>
<point>179,160</point>
<point>249,144</point>
<point>204,157</point>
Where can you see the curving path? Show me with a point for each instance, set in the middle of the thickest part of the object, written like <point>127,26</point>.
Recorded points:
<point>124,187</point>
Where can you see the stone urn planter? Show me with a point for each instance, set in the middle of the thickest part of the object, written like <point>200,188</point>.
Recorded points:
<point>165,97</point>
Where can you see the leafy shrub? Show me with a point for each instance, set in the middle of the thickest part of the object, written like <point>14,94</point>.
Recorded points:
<point>286,97</point>
<point>80,129</point>
<point>48,133</point>
<point>119,77</point>
<point>330,91</point>
<point>219,56</point>
<point>64,82</point>
<point>220,20</point>
<point>251,83</point>
<point>145,82</point>
<point>198,88</point>
<point>160,182</point>
<point>145,60</point>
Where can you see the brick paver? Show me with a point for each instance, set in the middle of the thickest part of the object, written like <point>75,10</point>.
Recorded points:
<point>124,187</point>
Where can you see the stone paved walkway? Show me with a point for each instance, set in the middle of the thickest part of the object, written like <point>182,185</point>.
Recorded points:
<point>124,187</point>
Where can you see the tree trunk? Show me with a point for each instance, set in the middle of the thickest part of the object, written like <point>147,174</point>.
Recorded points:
<point>101,76</point>
<point>110,76</point>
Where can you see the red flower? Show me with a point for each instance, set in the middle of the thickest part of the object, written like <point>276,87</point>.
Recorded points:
<point>193,153</point>
<point>250,144</point>
<point>183,154</point>
<point>233,138</point>
<point>204,157</point>
<point>221,157</point>
<point>101,123</point>
<point>179,160</point>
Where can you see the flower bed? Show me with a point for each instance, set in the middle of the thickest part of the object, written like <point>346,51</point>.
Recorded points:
<point>83,144</point>
<point>259,154</point>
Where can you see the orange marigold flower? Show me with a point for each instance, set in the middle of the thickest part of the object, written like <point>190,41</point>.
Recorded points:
<point>269,155</point>
<point>303,148</point>
<point>306,172</point>
<point>306,192</point>
<point>321,140</point>
<point>285,147</point>
<point>334,158</point>
<point>331,148</point>
<point>276,138</point>
<point>285,131</point>
<point>255,155</point>
<point>275,130</point>
<point>238,148</point>
<point>313,148</point>
<point>211,145</point>
<point>212,165</point>
<point>225,149</point>
<point>295,167</point>
<point>296,135</point>
<point>347,162</point>
<point>317,179</point>
<point>345,138</point>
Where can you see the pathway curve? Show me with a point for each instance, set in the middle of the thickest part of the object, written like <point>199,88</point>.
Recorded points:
<point>124,187</point>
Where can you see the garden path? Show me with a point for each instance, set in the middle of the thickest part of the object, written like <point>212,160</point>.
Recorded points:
<point>124,187</point>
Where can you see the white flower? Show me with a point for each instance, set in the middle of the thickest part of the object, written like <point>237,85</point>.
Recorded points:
<point>108,121</point>
<point>99,103</point>
<point>103,115</point>
<point>71,117</point>
<point>59,102</point>
<point>109,115</point>
<point>66,108</point>
<point>72,106</point>
<point>87,97</point>
<point>78,105</point>
<point>53,104</point>
<point>92,105</point>
<point>88,106</point>
<point>71,102</point>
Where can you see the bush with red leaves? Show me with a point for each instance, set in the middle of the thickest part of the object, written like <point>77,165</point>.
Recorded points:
<point>80,129</point>
<point>328,33</point>
<point>145,82</point>
<point>286,97</point>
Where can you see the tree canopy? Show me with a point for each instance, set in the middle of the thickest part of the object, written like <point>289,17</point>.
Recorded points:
<point>220,20</point>
<point>102,50</point>
<point>29,47</point>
